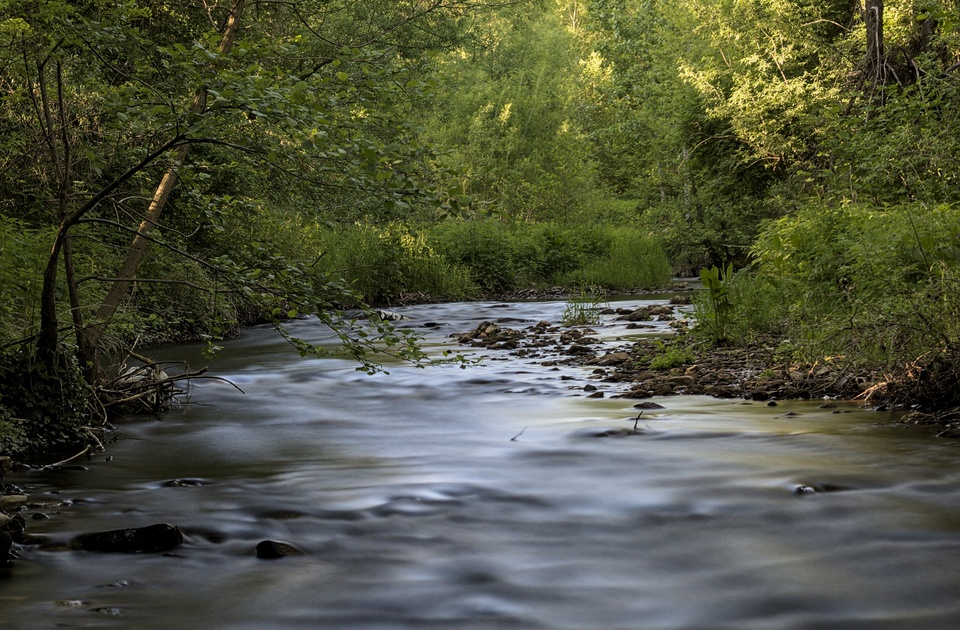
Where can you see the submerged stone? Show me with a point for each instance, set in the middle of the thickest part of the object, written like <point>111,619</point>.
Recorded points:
<point>273,549</point>
<point>149,539</point>
<point>603,433</point>
<point>648,405</point>
<point>12,502</point>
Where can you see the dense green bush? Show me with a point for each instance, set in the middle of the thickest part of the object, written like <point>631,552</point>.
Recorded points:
<point>23,253</point>
<point>506,256</point>
<point>40,410</point>
<point>487,249</point>
<point>632,261</point>
<point>383,264</point>
<point>875,287</point>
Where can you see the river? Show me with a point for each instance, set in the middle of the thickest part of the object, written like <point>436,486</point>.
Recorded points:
<point>475,498</point>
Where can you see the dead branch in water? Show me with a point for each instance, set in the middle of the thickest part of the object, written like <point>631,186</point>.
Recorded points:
<point>147,388</point>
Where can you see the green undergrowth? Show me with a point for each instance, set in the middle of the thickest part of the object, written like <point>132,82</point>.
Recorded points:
<point>458,260</point>
<point>503,257</point>
<point>383,264</point>
<point>672,355</point>
<point>41,411</point>
<point>631,261</point>
<point>872,288</point>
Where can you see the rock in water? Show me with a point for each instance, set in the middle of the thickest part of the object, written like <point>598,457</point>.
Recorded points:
<point>149,539</point>
<point>10,502</point>
<point>273,549</point>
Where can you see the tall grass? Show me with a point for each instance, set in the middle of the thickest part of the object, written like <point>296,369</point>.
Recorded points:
<point>384,264</point>
<point>457,260</point>
<point>632,261</point>
<point>506,256</point>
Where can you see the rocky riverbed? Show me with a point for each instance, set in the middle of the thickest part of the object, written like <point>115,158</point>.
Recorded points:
<point>679,365</point>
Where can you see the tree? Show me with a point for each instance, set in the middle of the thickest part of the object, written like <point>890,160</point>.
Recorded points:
<point>108,106</point>
<point>507,113</point>
<point>656,137</point>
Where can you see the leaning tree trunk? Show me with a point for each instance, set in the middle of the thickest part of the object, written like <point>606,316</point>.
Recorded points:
<point>89,337</point>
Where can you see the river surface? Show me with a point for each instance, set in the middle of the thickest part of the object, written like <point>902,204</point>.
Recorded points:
<point>475,498</point>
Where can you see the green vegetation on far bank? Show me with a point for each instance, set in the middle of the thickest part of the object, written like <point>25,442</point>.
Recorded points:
<point>456,260</point>
<point>856,286</point>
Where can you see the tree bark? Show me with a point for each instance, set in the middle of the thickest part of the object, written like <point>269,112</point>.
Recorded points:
<point>875,60</point>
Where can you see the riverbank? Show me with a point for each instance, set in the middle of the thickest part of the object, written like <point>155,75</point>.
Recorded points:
<point>681,365</point>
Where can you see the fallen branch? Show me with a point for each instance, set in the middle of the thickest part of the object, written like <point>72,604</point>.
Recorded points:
<point>69,459</point>
<point>90,432</point>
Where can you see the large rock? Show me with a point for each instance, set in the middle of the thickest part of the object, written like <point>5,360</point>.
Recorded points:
<point>149,539</point>
<point>11,530</point>
<point>614,358</point>
<point>639,315</point>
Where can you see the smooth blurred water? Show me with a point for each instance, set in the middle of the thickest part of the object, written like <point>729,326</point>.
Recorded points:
<point>451,498</point>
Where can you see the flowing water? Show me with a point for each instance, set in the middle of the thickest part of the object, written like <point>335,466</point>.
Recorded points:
<point>476,498</point>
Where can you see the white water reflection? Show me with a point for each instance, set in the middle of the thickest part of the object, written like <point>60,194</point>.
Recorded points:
<point>449,498</point>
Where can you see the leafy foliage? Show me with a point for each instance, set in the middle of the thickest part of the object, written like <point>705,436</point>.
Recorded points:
<point>714,308</point>
<point>873,288</point>
<point>385,264</point>
<point>41,410</point>
<point>507,113</point>
<point>631,260</point>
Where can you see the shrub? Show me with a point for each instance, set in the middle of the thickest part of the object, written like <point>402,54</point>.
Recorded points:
<point>384,263</point>
<point>40,411</point>
<point>879,287</point>
<point>631,261</point>
<point>485,248</point>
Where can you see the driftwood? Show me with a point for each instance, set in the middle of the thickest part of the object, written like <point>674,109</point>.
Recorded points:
<point>147,388</point>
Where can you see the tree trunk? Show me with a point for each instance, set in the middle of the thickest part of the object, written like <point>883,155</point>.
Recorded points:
<point>875,61</point>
